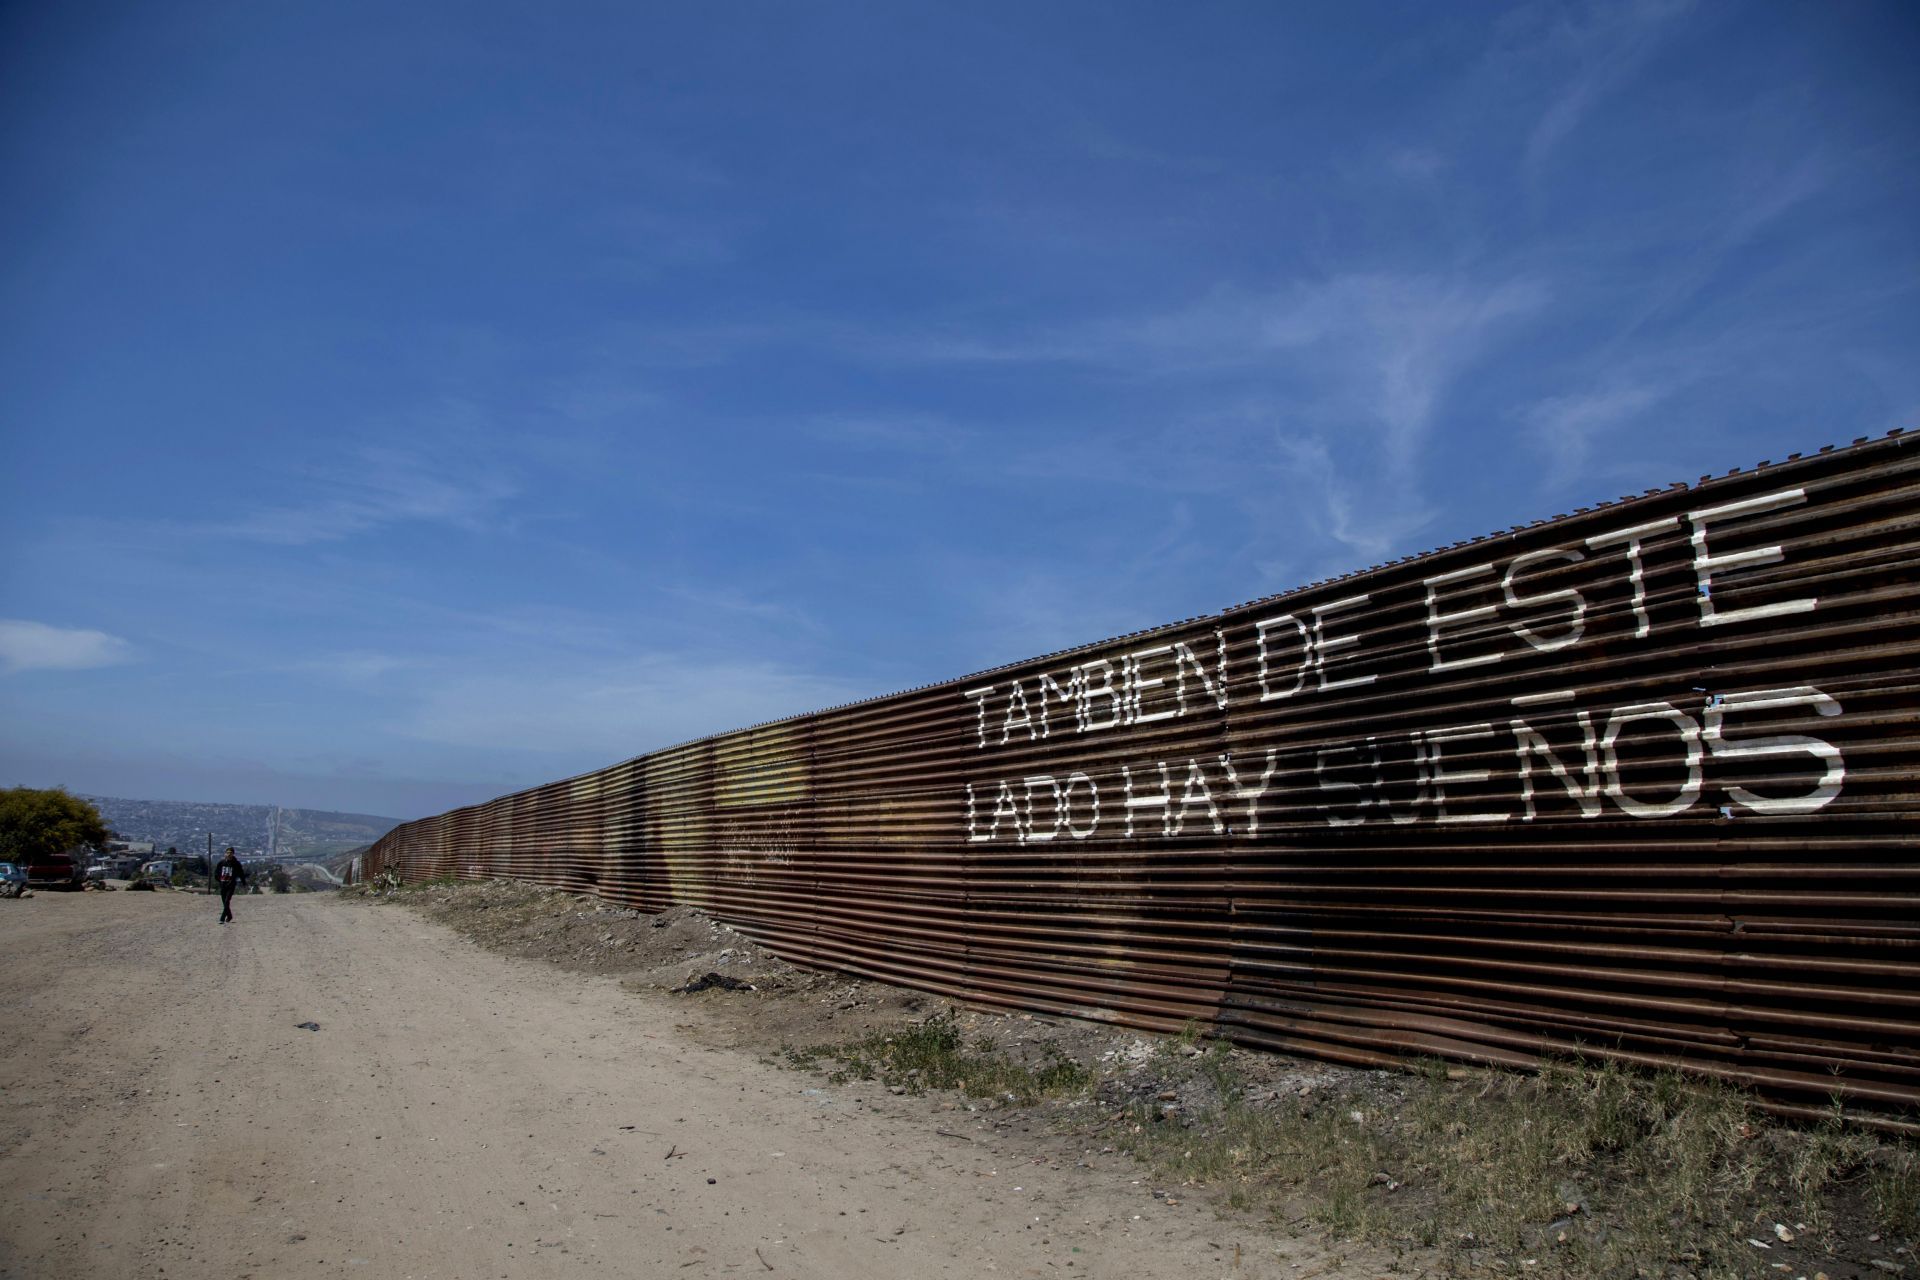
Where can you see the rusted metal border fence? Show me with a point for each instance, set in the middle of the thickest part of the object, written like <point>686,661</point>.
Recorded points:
<point>1637,781</point>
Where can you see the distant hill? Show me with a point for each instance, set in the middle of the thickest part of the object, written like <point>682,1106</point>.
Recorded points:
<point>316,835</point>
<point>254,830</point>
<point>340,863</point>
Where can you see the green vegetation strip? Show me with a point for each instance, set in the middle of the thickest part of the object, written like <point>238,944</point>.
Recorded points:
<point>932,1055</point>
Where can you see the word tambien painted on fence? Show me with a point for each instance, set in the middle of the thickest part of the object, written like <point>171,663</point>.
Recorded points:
<point>1635,782</point>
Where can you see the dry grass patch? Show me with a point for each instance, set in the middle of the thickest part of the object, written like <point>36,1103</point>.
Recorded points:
<point>1578,1171</point>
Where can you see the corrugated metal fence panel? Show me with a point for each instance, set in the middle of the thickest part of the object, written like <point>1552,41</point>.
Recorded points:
<point>1638,781</point>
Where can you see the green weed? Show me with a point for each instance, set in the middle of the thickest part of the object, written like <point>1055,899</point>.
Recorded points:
<point>932,1055</point>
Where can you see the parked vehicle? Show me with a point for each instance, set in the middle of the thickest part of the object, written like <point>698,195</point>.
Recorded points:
<point>99,871</point>
<point>12,880</point>
<point>55,871</point>
<point>157,872</point>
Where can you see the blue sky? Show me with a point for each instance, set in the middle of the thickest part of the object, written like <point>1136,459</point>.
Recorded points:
<point>403,404</point>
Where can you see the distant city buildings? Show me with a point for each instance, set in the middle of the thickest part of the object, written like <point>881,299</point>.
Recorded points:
<point>256,832</point>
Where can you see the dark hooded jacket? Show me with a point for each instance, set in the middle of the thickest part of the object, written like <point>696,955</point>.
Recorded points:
<point>229,874</point>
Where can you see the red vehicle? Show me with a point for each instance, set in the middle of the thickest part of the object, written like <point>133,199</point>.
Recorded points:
<point>55,871</point>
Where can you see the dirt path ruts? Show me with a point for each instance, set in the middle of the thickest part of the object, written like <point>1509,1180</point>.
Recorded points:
<point>460,1114</point>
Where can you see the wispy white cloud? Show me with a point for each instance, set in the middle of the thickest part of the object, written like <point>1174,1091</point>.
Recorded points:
<point>1354,370</point>
<point>1564,428</point>
<point>1605,47</point>
<point>1346,511</point>
<point>1362,365</point>
<point>613,709</point>
<point>1391,345</point>
<point>1709,329</point>
<point>36,646</point>
<point>374,487</point>
<point>1394,339</point>
<point>1754,207</point>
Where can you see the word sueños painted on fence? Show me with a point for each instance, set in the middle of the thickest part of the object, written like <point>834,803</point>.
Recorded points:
<point>1639,781</point>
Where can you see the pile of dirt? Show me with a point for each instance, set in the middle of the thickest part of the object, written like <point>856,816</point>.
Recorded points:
<point>579,933</point>
<point>758,1001</point>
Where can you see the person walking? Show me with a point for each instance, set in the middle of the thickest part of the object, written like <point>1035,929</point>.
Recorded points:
<point>228,875</point>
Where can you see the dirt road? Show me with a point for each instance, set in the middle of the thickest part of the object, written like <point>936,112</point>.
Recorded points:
<point>460,1114</point>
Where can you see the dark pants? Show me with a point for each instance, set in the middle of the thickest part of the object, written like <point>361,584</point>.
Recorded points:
<point>226,903</point>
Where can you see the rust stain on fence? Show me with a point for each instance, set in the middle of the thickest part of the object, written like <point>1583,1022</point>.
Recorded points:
<point>1638,780</point>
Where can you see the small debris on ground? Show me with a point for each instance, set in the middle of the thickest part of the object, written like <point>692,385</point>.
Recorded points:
<point>711,979</point>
